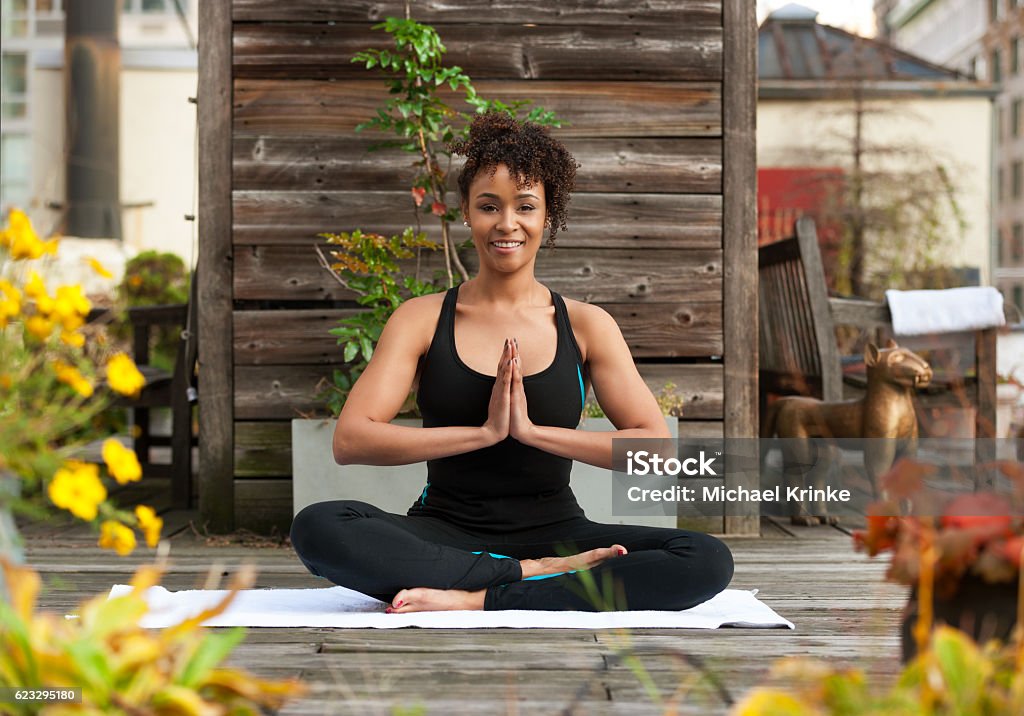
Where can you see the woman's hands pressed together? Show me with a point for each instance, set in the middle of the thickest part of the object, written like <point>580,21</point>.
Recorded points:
<point>519,425</point>
<point>507,413</point>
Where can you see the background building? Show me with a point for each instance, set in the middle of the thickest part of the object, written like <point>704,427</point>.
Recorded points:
<point>982,37</point>
<point>835,106</point>
<point>156,120</point>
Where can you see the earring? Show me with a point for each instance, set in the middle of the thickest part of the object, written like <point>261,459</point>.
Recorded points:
<point>465,223</point>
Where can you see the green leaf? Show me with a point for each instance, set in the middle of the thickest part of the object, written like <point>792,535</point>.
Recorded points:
<point>214,648</point>
<point>351,349</point>
<point>366,347</point>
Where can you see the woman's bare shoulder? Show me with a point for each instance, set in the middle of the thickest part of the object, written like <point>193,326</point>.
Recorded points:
<point>417,317</point>
<point>587,315</point>
<point>589,323</point>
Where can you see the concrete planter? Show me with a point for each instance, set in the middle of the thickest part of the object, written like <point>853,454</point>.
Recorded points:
<point>317,478</point>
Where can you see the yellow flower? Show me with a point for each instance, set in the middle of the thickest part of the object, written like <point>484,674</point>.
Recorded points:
<point>40,327</point>
<point>70,338</point>
<point>122,462</point>
<point>10,302</point>
<point>20,238</point>
<point>115,536</point>
<point>76,487</point>
<point>149,523</point>
<point>6,381</point>
<point>98,267</point>
<point>69,375</point>
<point>35,288</point>
<point>123,376</point>
<point>70,307</point>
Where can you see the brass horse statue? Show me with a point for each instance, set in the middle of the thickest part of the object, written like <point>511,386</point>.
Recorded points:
<point>884,417</point>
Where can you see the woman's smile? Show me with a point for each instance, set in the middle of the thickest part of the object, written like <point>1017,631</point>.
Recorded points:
<point>506,246</point>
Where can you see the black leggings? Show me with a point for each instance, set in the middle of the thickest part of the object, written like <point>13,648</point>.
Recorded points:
<point>361,547</point>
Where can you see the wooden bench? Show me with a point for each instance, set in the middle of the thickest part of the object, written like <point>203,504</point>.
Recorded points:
<point>175,389</point>
<point>799,354</point>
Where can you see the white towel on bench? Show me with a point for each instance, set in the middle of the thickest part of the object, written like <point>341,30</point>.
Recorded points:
<point>949,310</point>
<point>341,607</point>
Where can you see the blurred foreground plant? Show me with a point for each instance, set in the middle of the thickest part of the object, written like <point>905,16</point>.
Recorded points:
<point>954,676</point>
<point>121,667</point>
<point>52,385</point>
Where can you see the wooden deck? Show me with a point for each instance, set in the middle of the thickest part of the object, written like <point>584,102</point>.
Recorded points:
<point>843,610</point>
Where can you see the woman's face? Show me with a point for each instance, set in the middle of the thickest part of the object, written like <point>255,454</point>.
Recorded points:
<point>507,222</point>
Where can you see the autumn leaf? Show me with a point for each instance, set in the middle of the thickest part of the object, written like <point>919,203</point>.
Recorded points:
<point>906,478</point>
<point>417,195</point>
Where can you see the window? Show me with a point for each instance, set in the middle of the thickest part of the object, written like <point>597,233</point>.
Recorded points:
<point>1000,250</point>
<point>1015,118</point>
<point>1017,250</point>
<point>13,85</point>
<point>996,73</point>
<point>153,6</point>
<point>14,14</point>
<point>1001,184</point>
<point>994,10</point>
<point>1015,180</point>
<point>1000,124</point>
<point>1014,55</point>
<point>14,165</point>
<point>1018,296</point>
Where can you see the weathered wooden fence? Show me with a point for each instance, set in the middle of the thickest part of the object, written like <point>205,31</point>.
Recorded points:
<point>659,101</point>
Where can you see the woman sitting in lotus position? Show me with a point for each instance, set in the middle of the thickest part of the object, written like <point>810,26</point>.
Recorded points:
<point>502,365</point>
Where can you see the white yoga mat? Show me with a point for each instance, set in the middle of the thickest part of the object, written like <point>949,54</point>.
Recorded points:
<point>341,607</point>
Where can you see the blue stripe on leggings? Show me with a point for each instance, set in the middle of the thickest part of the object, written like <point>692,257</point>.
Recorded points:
<point>527,579</point>
<point>423,497</point>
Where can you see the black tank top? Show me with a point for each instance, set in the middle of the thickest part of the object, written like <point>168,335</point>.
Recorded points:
<point>507,486</point>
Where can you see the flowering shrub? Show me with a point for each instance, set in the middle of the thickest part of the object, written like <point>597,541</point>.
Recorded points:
<point>52,385</point>
<point>121,667</point>
<point>978,533</point>
<point>367,264</point>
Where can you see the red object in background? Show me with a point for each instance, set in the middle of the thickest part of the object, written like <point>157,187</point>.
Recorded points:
<point>784,194</point>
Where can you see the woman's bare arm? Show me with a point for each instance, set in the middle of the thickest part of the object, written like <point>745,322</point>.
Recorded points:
<point>618,387</point>
<point>364,434</point>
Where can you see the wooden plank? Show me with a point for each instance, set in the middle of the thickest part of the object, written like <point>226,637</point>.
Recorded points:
<point>216,497</point>
<point>699,387</point>
<point>315,108</point>
<point>343,163</point>
<point>286,392</point>
<point>279,392</point>
<point>739,182</point>
<point>592,275</point>
<point>262,448</point>
<point>264,506</point>
<point>603,12</point>
<point>596,220</point>
<point>491,51</point>
<point>292,337</point>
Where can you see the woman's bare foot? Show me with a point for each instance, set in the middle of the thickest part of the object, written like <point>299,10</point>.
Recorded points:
<point>583,560</point>
<point>423,599</point>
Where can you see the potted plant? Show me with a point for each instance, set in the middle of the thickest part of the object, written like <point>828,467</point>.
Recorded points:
<point>968,546</point>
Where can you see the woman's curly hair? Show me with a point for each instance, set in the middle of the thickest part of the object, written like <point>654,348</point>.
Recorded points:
<point>530,153</point>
